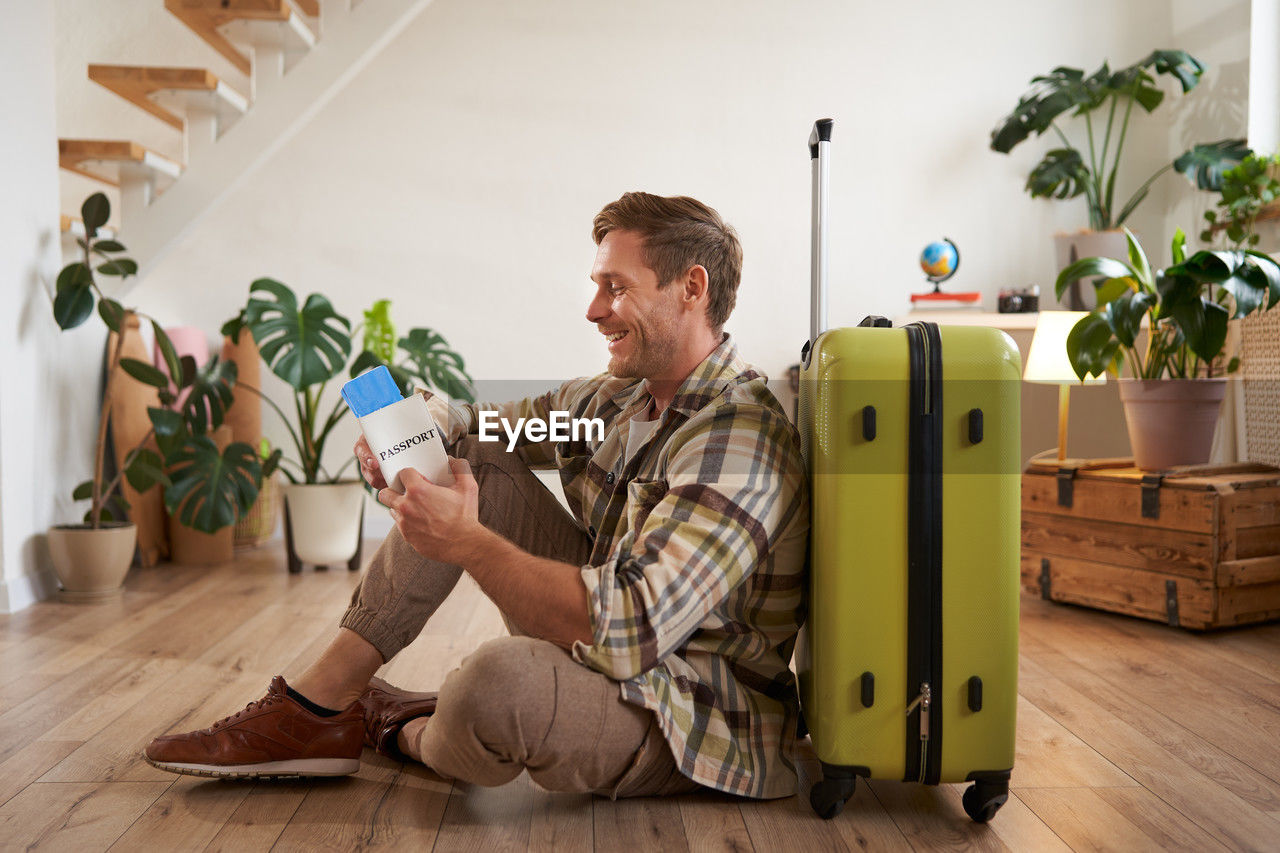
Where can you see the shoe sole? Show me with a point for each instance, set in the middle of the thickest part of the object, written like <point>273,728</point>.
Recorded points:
<point>295,769</point>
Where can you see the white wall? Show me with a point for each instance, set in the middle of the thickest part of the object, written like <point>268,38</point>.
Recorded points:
<point>458,174</point>
<point>1216,33</point>
<point>43,419</point>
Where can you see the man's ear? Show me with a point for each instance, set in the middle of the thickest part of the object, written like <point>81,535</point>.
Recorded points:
<point>695,285</point>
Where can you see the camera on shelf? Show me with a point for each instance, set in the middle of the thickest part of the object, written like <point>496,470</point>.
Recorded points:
<point>1018,300</point>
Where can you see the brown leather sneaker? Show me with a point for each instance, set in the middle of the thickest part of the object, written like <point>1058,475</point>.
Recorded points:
<point>386,710</point>
<point>274,736</point>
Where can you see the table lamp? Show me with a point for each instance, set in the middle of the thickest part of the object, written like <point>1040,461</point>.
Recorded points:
<point>1047,363</point>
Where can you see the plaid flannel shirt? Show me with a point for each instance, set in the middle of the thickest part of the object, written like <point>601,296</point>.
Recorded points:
<point>696,576</point>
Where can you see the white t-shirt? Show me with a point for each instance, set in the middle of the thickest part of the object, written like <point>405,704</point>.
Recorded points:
<point>639,433</point>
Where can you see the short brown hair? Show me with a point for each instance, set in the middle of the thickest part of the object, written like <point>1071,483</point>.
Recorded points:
<point>678,233</point>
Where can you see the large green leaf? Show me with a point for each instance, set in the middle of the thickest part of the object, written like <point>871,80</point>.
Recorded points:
<point>112,313</point>
<point>170,428</point>
<point>168,353</point>
<point>304,347</point>
<point>379,331</point>
<point>144,372</point>
<point>83,491</point>
<point>95,212</point>
<point>1270,270</point>
<point>1124,315</point>
<point>119,266</point>
<point>145,470</point>
<point>209,395</point>
<point>1138,260</point>
<point>1092,268</point>
<point>437,365</point>
<point>211,490</point>
<point>1061,174</point>
<point>1134,82</point>
<point>72,305</point>
<point>1091,346</point>
<point>1204,325</point>
<point>1050,96</point>
<point>1205,164</point>
<point>1176,63</point>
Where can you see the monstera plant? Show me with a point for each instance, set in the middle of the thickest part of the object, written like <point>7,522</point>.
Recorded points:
<point>205,488</point>
<point>1104,102</point>
<point>308,345</point>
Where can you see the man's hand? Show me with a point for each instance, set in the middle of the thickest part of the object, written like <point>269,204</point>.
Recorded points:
<point>369,465</point>
<point>439,522</point>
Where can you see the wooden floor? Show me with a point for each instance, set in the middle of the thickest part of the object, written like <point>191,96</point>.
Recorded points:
<point>1131,736</point>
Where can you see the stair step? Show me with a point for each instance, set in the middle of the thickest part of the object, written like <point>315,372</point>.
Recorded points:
<point>310,8</point>
<point>167,93</point>
<point>207,18</point>
<point>74,226</point>
<point>103,159</point>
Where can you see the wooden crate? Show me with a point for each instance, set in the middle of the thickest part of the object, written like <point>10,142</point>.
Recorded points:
<point>1197,547</point>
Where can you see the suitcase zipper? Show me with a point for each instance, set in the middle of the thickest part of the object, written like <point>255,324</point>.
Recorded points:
<point>924,699</point>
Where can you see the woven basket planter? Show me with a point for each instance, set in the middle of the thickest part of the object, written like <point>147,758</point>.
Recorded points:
<point>259,523</point>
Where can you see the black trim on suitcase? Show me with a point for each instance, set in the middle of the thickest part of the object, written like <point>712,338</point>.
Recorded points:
<point>924,556</point>
<point>933,767</point>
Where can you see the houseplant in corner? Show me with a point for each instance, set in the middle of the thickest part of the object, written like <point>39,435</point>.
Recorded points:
<point>1177,375</point>
<point>206,488</point>
<point>308,346</point>
<point>1090,169</point>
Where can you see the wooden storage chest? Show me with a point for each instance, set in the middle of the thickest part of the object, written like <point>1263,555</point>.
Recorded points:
<point>1197,547</point>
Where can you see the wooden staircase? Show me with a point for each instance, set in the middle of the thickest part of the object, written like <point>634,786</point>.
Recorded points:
<point>263,38</point>
<point>226,133</point>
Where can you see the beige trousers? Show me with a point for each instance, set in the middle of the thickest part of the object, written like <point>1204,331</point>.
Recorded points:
<point>517,702</point>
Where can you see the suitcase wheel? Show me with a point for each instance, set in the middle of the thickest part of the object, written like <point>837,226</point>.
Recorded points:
<point>983,799</point>
<point>829,795</point>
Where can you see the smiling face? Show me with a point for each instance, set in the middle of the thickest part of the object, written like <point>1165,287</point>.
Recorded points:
<point>643,323</point>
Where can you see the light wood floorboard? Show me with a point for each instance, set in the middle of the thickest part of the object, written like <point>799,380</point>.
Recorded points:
<point>1131,736</point>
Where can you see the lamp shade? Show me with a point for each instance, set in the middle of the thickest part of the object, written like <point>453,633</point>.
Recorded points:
<point>1047,361</point>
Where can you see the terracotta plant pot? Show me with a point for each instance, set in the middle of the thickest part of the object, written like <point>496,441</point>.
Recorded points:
<point>1171,421</point>
<point>91,564</point>
<point>323,524</point>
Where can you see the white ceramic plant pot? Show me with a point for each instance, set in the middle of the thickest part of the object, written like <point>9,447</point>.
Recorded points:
<point>91,564</point>
<point>322,524</point>
<point>1171,421</point>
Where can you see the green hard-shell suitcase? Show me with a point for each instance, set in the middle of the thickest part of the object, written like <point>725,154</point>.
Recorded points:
<point>908,661</point>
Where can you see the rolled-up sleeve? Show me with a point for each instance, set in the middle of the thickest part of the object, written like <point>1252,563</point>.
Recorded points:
<point>732,485</point>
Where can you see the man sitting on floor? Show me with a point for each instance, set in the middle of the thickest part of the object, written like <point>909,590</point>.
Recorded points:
<point>651,634</point>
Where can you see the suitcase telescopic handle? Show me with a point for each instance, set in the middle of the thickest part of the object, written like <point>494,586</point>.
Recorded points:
<point>820,154</point>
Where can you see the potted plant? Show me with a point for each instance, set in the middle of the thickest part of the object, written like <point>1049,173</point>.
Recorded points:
<point>308,346</point>
<point>1177,375</point>
<point>1250,191</point>
<point>206,488</point>
<point>1068,171</point>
